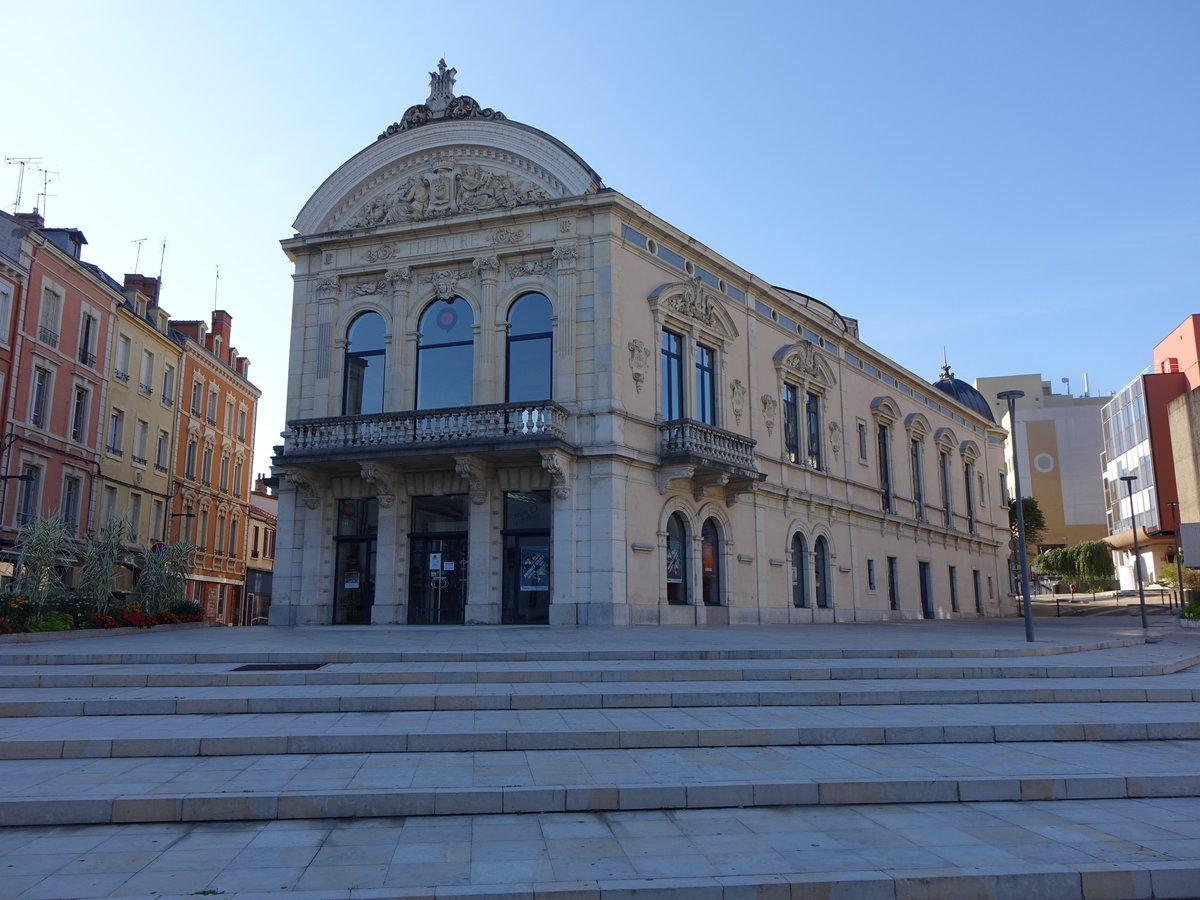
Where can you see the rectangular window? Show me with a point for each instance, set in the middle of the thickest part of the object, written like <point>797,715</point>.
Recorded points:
<point>870,574</point>
<point>976,580</point>
<point>969,478</point>
<point>237,479</point>
<point>116,431</point>
<point>233,546</point>
<point>189,466</point>
<point>791,424</point>
<point>917,480</point>
<point>212,408</point>
<point>40,397</point>
<point>812,420</point>
<point>224,482</point>
<point>5,312</point>
<point>254,542</point>
<point>202,530</point>
<point>168,386</point>
<point>206,467</point>
<point>160,451</point>
<point>135,517</point>
<point>885,467</point>
<point>227,424</point>
<point>72,490</point>
<point>146,379</point>
<point>197,394</point>
<point>672,376</point>
<point>141,439</point>
<point>862,440</point>
<point>110,503</point>
<point>88,329</point>
<point>124,345</point>
<point>893,579</point>
<point>31,492</point>
<point>156,519</point>
<point>219,547</point>
<point>49,317</point>
<point>221,601</point>
<point>953,589</point>
<point>79,411</point>
<point>241,428</point>
<point>706,386</point>
<point>944,477</point>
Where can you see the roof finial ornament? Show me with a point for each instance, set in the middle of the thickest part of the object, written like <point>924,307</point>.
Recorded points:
<point>947,375</point>
<point>441,87</point>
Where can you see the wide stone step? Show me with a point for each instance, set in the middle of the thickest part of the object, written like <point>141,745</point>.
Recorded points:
<point>303,786</point>
<point>400,732</point>
<point>1066,850</point>
<point>313,698</point>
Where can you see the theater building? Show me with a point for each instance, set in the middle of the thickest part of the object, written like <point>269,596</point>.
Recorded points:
<point>516,396</point>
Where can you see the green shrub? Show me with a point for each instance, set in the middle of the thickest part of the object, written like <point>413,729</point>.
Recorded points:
<point>1191,611</point>
<point>53,621</point>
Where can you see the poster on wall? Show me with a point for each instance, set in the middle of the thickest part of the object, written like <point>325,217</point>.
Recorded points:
<point>535,568</point>
<point>674,562</point>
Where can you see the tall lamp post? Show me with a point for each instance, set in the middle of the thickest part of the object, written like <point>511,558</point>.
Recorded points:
<point>1174,504</point>
<point>1012,397</point>
<point>1137,556</point>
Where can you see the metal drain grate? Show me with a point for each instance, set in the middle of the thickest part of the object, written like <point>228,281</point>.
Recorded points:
<point>279,667</point>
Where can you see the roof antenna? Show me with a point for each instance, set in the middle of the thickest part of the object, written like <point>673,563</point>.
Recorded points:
<point>216,286</point>
<point>138,257</point>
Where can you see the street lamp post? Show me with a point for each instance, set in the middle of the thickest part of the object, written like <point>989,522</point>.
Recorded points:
<point>1012,397</point>
<point>1137,557</point>
<point>1174,504</point>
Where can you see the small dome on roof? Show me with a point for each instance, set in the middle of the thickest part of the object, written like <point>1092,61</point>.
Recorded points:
<point>963,393</point>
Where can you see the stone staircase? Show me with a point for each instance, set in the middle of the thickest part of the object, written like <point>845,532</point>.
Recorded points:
<point>710,766</point>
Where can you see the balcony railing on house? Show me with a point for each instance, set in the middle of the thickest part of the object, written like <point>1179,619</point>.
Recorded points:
<point>502,423</point>
<point>48,337</point>
<point>686,438</point>
<point>87,357</point>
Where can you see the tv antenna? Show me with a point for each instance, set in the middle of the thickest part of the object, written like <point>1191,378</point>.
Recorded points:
<point>137,258</point>
<point>45,194</point>
<point>21,161</point>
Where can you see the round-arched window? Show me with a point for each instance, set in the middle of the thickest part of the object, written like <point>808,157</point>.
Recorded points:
<point>445,355</point>
<point>799,570</point>
<point>821,570</point>
<point>528,360</point>
<point>710,562</point>
<point>677,560</point>
<point>363,381</point>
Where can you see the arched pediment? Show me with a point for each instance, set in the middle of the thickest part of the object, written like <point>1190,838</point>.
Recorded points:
<point>946,439</point>
<point>803,360</point>
<point>691,301</point>
<point>916,425</point>
<point>885,410</point>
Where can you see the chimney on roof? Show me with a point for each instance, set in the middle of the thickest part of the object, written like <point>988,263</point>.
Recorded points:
<point>32,219</point>
<point>221,325</point>
<point>146,284</point>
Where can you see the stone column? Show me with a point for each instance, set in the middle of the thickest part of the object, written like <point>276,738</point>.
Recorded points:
<point>384,609</point>
<point>489,374</point>
<point>564,255</point>
<point>483,546</point>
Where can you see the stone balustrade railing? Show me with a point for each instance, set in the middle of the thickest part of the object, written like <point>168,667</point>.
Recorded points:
<point>685,437</point>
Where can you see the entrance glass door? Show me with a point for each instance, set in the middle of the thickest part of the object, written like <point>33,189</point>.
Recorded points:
<point>437,579</point>
<point>354,591</point>
<point>526,592</point>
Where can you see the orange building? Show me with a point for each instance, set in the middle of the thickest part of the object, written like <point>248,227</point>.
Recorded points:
<point>214,448</point>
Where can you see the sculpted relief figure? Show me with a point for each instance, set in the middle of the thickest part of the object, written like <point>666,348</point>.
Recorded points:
<point>446,189</point>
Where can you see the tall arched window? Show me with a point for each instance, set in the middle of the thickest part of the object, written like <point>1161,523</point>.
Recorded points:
<point>677,560</point>
<point>710,562</point>
<point>445,355</point>
<point>799,570</point>
<point>362,389</point>
<point>821,572</point>
<point>527,376</point>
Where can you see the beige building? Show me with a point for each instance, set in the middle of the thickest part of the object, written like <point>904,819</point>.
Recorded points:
<point>1059,446</point>
<point>516,396</point>
<point>139,423</point>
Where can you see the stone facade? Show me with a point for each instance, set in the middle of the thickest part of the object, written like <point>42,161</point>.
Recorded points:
<point>516,396</point>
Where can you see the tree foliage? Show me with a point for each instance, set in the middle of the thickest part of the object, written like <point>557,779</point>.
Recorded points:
<point>98,561</point>
<point>1088,565</point>
<point>37,576</point>
<point>1191,577</point>
<point>160,588</point>
<point>1035,520</point>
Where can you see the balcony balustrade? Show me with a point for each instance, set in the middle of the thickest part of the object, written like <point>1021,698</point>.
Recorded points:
<point>502,423</point>
<point>686,439</point>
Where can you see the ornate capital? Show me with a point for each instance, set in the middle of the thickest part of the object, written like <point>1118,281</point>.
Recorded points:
<point>558,465</point>
<point>485,266</point>
<point>564,256</point>
<point>327,287</point>
<point>471,470</point>
<point>382,486</point>
<point>300,483</point>
<point>399,274</point>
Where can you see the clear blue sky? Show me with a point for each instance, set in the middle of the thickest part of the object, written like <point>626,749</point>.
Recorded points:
<point>1018,182</point>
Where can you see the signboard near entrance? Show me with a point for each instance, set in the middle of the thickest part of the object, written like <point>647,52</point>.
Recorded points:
<point>435,562</point>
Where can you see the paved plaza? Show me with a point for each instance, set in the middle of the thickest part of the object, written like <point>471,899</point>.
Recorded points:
<point>908,760</point>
